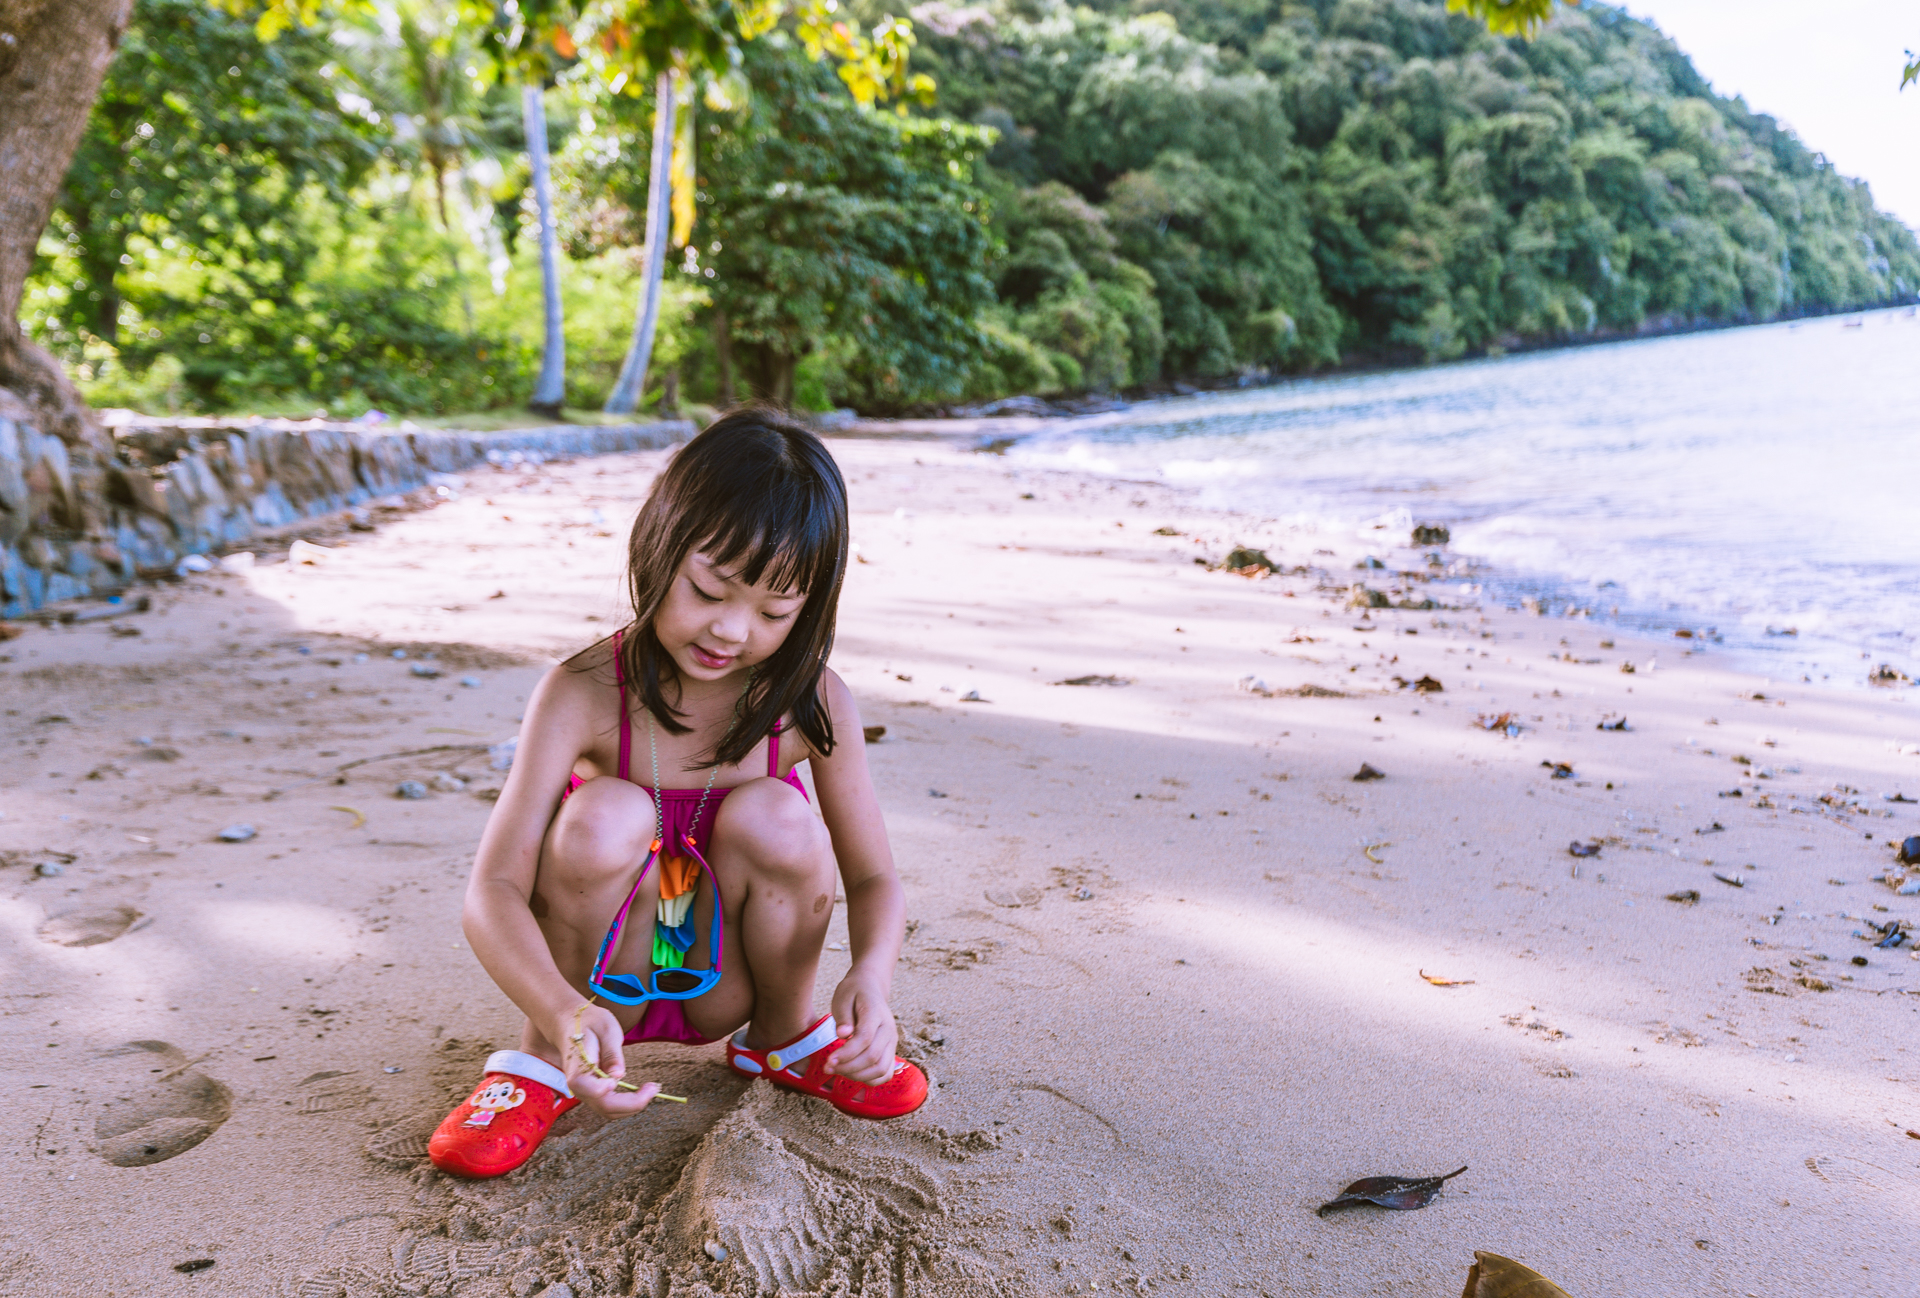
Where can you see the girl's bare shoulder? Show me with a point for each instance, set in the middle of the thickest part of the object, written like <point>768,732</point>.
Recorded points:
<point>582,682</point>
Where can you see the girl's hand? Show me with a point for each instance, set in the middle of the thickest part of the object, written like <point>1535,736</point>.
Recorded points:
<point>599,1048</point>
<point>868,1034</point>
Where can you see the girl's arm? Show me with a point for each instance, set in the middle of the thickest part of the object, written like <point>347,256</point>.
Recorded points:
<point>876,907</point>
<point>498,916</point>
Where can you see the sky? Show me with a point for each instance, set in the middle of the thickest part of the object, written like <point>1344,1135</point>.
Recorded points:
<point>1830,69</point>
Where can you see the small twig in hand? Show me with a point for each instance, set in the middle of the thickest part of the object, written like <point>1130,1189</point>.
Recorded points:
<point>579,1045</point>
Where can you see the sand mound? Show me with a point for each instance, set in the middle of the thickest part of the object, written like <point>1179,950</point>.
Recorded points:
<point>755,1192</point>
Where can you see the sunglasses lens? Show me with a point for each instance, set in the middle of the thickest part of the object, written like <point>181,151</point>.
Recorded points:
<point>676,980</point>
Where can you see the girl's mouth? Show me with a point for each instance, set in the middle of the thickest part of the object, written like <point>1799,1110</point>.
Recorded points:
<point>711,661</point>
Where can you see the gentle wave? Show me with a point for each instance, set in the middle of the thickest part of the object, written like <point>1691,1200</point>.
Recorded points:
<point>1749,479</point>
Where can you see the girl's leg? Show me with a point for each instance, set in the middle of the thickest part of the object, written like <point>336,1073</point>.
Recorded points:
<point>592,852</point>
<point>775,864</point>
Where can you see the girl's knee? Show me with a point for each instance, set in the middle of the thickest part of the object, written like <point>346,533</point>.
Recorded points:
<point>774,826</point>
<point>605,823</point>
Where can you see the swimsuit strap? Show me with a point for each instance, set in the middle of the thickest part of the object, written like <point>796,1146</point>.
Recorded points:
<point>773,752</point>
<point>620,683</point>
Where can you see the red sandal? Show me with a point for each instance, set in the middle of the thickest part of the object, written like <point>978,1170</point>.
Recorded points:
<point>801,1065</point>
<point>498,1127</point>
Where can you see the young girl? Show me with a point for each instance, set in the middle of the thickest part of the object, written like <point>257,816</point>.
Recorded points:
<point>652,871</point>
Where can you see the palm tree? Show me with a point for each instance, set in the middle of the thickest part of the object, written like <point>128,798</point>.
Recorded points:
<point>627,389</point>
<point>551,387</point>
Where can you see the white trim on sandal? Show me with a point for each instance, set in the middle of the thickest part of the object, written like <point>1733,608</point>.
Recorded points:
<point>518,1063</point>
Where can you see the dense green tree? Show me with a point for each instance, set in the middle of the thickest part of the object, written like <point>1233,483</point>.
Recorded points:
<point>823,227</point>
<point>205,136</point>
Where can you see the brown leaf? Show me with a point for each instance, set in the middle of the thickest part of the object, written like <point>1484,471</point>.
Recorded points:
<point>874,734</point>
<point>1438,981</point>
<point>1686,896</point>
<point>1401,1193</point>
<point>1493,1276</point>
<point>1366,772</point>
<point>1583,849</point>
<point>1428,685</point>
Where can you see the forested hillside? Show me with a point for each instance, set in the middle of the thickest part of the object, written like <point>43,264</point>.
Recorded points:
<point>1100,198</point>
<point>1307,182</point>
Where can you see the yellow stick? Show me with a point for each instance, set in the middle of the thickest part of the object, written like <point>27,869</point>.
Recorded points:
<point>579,1039</point>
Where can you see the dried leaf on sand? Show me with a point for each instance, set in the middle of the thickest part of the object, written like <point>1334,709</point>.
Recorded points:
<point>1438,981</point>
<point>1493,1276</point>
<point>1400,1193</point>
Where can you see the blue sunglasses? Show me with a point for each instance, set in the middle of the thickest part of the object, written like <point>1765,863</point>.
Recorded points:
<point>665,984</point>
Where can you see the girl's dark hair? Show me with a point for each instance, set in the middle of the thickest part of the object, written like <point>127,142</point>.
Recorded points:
<point>758,494</point>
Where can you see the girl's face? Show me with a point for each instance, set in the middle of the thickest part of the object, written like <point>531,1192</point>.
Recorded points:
<point>714,624</point>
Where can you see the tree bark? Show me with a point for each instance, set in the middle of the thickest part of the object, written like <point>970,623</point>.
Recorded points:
<point>722,358</point>
<point>632,383</point>
<point>550,389</point>
<point>53,57</point>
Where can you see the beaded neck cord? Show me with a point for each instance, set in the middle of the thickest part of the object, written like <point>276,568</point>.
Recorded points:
<point>679,874</point>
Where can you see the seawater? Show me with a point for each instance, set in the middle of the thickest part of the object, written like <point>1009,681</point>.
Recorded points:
<point>1753,481</point>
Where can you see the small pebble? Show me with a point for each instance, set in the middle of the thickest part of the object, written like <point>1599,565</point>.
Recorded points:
<point>410,789</point>
<point>236,833</point>
<point>393,1069</point>
<point>399,653</point>
<point>1793,1059</point>
<point>426,670</point>
<point>715,1251</point>
<point>49,869</point>
<point>448,782</point>
<point>470,682</point>
<point>359,658</point>
<point>1083,894</point>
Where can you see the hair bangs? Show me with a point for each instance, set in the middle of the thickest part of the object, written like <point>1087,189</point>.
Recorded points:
<point>784,540</point>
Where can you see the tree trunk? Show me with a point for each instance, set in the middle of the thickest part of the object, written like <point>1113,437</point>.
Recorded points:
<point>53,57</point>
<point>550,389</point>
<point>61,493</point>
<point>722,358</point>
<point>632,383</point>
<point>439,165</point>
<point>769,374</point>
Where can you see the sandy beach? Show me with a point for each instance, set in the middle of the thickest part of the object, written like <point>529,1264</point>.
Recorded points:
<point>1177,976</point>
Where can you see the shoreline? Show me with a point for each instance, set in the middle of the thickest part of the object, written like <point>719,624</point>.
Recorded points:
<point>1165,954</point>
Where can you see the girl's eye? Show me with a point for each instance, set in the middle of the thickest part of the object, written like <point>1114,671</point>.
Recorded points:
<point>778,618</point>
<point>711,599</point>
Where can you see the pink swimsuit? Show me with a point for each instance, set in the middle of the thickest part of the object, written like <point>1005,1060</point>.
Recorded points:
<point>663,1020</point>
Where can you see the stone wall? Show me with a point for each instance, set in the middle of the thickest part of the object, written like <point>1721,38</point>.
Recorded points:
<point>195,486</point>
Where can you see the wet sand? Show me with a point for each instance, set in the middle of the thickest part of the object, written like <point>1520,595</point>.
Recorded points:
<point>1165,954</point>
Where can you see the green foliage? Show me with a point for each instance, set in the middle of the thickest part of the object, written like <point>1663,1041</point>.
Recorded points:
<point>1305,182</point>
<point>206,137</point>
<point>824,223</point>
<point>1210,191</point>
<point>1507,17</point>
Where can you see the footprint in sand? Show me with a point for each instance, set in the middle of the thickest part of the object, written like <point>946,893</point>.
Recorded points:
<point>331,1092</point>
<point>88,927</point>
<point>168,1108</point>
